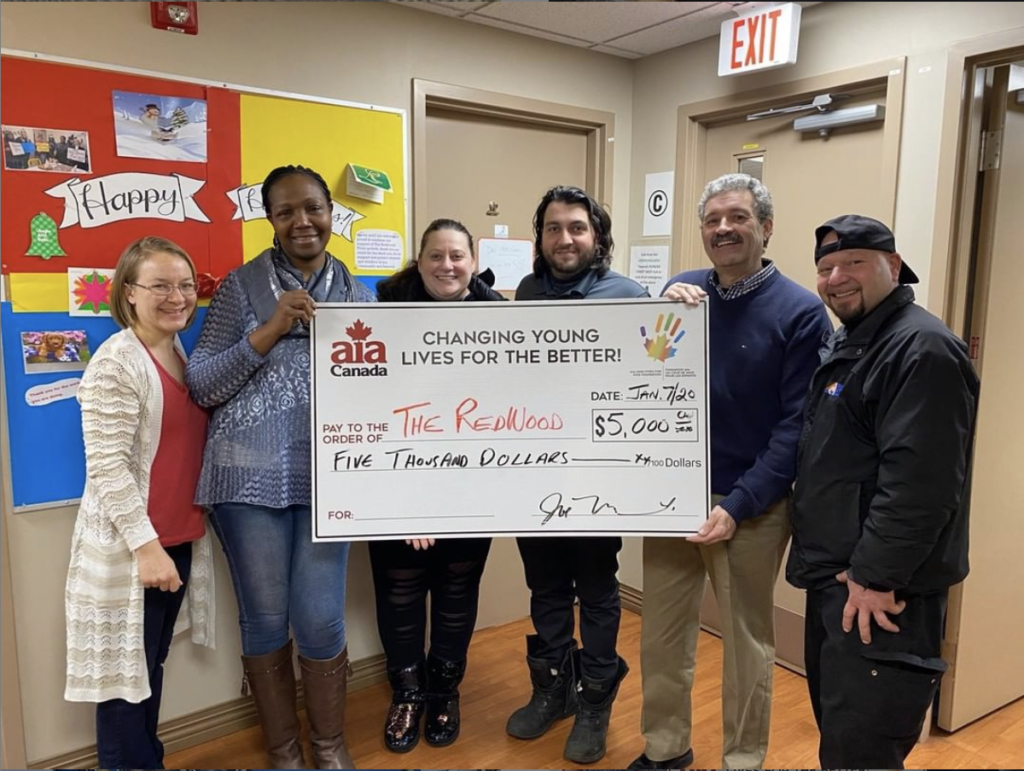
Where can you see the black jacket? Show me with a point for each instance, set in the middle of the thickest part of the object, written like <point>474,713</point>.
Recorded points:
<point>409,289</point>
<point>884,461</point>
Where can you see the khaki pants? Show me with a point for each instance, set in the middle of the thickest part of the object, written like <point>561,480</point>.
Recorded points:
<point>743,572</point>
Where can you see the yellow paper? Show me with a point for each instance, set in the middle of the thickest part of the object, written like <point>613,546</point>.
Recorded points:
<point>329,137</point>
<point>39,292</point>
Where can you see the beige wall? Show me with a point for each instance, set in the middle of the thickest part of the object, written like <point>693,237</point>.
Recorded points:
<point>361,52</point>
<point>369,52</point>
<point>833,36</point>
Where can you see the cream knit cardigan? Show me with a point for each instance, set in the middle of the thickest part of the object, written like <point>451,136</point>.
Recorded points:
<point>122,410</point>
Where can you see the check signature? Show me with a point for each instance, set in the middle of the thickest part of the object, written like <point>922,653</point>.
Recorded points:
<point>552,506</point>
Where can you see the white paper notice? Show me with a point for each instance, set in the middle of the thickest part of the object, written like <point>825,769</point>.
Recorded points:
<point>39,395</point>
<point>658,204</point>
<point>509,258</point>
<point>378,250</point>
<point>648,265</point>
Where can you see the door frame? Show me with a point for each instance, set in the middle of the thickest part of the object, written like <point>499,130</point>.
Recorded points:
<point>696,118</point>
<point>694,121</point>
<point>959,145</point>
<point>957,223</point>
<point>598,125</point>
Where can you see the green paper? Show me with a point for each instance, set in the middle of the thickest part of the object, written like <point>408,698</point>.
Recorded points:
<point>372,177</point>
<point>45,243</point>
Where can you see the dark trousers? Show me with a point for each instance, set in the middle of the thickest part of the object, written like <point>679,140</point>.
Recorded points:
<point>125,732</point>
<point>870,700</point>
<point>450,572</point>
<point>560,569</point>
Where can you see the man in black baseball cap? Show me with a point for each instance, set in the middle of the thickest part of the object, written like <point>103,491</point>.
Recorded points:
<point>880,506</point>
<point>858,265</point>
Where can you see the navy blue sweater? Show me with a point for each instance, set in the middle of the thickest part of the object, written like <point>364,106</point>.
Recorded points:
<point>764,349</point>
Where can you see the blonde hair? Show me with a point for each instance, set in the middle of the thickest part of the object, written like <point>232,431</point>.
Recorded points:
<point>127,273</point>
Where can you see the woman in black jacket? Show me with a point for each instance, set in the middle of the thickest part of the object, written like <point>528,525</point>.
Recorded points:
<point>450,568</point>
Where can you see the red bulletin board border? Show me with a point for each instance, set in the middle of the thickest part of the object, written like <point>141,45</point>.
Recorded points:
<point>49,94</point>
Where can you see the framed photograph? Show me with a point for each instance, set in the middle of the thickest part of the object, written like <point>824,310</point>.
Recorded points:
<point>30,148</point>
<point>57,351</point>
<point>167,128</point>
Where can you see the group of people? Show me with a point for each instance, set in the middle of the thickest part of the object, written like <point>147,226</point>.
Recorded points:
<point>874,422</point>
<point>44,151</point>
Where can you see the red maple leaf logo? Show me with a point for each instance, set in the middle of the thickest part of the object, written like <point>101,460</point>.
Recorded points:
<point>358,331</point>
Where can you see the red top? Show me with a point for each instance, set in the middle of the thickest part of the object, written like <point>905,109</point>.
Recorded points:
<point>179,459</point>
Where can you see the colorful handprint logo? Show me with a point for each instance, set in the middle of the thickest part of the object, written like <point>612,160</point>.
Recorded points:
<point>660,345</point>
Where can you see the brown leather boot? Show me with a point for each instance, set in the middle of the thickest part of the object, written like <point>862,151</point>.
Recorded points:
<point>325,683</point>
<point>271,679</point>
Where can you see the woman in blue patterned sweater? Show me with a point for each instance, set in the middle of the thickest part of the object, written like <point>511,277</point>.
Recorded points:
<point>251,366</point>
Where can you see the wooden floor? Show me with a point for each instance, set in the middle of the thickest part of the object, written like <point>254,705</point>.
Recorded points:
<point>497,683</point>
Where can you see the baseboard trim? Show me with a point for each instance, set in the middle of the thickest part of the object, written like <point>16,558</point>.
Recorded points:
<point>217,721</point>
<point>631,598</point>
<point>789,626</point>
<point>238,714</point>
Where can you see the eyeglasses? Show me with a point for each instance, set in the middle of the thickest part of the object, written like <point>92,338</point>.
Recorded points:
<point>187,288</point>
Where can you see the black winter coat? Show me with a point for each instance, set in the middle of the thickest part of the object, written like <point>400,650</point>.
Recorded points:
<point>884,461</point>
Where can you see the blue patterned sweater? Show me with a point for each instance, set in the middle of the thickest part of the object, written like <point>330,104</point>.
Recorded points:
<point>258,449</point>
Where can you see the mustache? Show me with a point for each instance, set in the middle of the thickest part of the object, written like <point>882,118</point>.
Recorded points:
<point>727,239</point>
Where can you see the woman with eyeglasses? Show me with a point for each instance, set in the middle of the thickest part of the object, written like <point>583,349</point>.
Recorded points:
<point>140,542</point>
<point>251,366</point>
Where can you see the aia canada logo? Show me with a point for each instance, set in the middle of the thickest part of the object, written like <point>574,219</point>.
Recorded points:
<point>660,344</point>
<point>359,356</point>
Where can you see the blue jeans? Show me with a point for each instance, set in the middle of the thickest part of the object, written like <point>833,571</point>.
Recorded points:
<point>282,578</point>
<point>125,732</point>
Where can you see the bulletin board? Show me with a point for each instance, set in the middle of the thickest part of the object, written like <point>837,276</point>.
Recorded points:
<point>96,157</point>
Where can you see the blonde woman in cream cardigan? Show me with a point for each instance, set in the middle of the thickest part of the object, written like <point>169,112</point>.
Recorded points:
<point>140,545</point>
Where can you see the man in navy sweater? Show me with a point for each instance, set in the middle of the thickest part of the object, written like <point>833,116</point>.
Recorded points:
<point>765,334</point>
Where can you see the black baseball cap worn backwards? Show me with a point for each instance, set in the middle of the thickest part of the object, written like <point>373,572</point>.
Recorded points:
<point>856,231</point>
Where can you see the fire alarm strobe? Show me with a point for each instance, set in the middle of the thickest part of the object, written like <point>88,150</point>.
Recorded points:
<point>176,17</point>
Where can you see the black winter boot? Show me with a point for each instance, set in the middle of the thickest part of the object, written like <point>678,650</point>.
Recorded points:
<point>408,692</point>
<point>554,693</point>
<point>443,718</point>
<point>586,742</point>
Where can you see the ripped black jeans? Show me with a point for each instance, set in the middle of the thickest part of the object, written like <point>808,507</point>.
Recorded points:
<point>450,573</point>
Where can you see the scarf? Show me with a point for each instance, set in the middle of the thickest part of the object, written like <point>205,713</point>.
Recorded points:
<point>272,276</point>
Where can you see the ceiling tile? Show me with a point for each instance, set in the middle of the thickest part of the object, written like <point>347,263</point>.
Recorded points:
<point>630,30</point>
<point>481,19</point>
<point>448,8</point>
<point>444,8</point>
<point>617,52</point>
<point>677,32</point>
<point>587,21</point>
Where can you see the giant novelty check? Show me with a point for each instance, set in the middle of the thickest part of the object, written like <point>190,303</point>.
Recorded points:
<point>567,418</point>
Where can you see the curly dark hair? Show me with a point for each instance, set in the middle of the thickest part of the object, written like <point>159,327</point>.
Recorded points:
<point>600,221</point>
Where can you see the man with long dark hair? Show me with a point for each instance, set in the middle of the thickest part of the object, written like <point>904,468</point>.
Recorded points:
<point>574,250</point>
